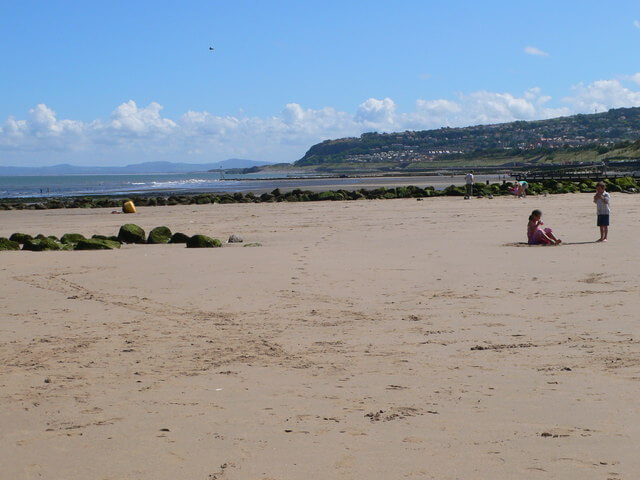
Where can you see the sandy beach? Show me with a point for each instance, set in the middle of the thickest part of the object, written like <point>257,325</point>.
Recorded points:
<point>381,339</point>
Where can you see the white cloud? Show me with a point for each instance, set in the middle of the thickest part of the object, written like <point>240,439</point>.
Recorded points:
<point>636,23</point>
<point>135,133</point>
<point>483,107</point>
<point>377,114</point>
<point>602,95</point>
<point>535,51</point>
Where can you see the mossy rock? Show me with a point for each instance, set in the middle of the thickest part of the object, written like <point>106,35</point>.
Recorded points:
<point>96,244</point>
<point>72,238</point>
<point>131,233</point>
<point>626,183</point>
<point>586,188</point>
<point>159,235</point>
<point>454,191</point>
<point>41,244</point>
<point>202,241</point>
<point>6,244</point>
<point>99,237</point>
<point>20,237</point>
<point>330,195</point>
<point>612,186</point>
<point>254,244</point>
<point>179,237</point>
<point>266,197</point>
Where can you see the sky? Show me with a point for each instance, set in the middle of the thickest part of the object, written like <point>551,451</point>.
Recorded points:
<point>120,82</point>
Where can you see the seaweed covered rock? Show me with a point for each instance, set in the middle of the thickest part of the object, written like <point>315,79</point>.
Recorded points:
<point>455,191</point>
<point>72,238</point>
<point>41,244</point>
<point>626,183</point>
<point>330,195</point>
<point>131,233</point>
<point>20,237</point>
<point>179,237</point>
<point>159,235</point>
<point>6,244</point>
<point>202,241</point>
<point>96,244</point>
<point>266,197</point>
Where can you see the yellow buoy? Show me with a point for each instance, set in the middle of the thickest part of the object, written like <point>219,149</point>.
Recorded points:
<point>128,207</point>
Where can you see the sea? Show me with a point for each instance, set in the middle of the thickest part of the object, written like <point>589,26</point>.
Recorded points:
<point>94,185</point>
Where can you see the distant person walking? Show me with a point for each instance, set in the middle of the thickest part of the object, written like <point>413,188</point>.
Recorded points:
<point>602,199</point>
<point>469,181</point>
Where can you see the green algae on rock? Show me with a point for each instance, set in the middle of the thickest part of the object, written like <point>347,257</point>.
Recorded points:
<point>96,244</point>
<point>39,245</point>
<point>72,238</point>
<point>179,237</point>
<point>20,237</point>
<point>6,244</point>
<point>202,241</point>
<point>159,235</point>
<point>131,233</point>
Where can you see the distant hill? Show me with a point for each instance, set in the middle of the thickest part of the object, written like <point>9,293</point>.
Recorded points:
<point>146,167</point>
<point>584,137</point>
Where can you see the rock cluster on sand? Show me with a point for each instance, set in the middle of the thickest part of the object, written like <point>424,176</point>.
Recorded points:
<point>129,233</point>
<point>235,239</point>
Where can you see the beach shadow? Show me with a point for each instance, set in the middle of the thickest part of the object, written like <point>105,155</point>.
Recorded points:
<point>525,244</point>
<point>579,243</point>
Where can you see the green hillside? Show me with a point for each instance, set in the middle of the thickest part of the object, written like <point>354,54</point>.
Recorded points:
<point>595,137</point>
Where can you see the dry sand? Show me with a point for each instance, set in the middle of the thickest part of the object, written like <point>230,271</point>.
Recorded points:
<point>363,340</point>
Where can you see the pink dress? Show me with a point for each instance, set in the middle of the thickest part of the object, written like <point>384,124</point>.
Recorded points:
<point>535,234</point>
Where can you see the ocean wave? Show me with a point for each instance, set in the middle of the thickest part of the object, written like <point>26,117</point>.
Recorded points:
<point>173,183</point>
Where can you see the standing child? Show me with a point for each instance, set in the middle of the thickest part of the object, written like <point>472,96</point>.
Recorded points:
<point>602,199</point>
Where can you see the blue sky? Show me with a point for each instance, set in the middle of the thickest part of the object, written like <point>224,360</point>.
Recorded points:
<point>120,82</point>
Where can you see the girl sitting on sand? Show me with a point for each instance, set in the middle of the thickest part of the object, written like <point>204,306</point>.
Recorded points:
<point>538,235</point>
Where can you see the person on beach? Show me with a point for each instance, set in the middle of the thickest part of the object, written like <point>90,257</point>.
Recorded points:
<point>537,234</point>
<point>602,199</point>
<point>519,189</point>
<point>468,179</point>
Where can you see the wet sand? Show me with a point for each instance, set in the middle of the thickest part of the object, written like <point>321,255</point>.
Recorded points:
<point>368,339</point>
